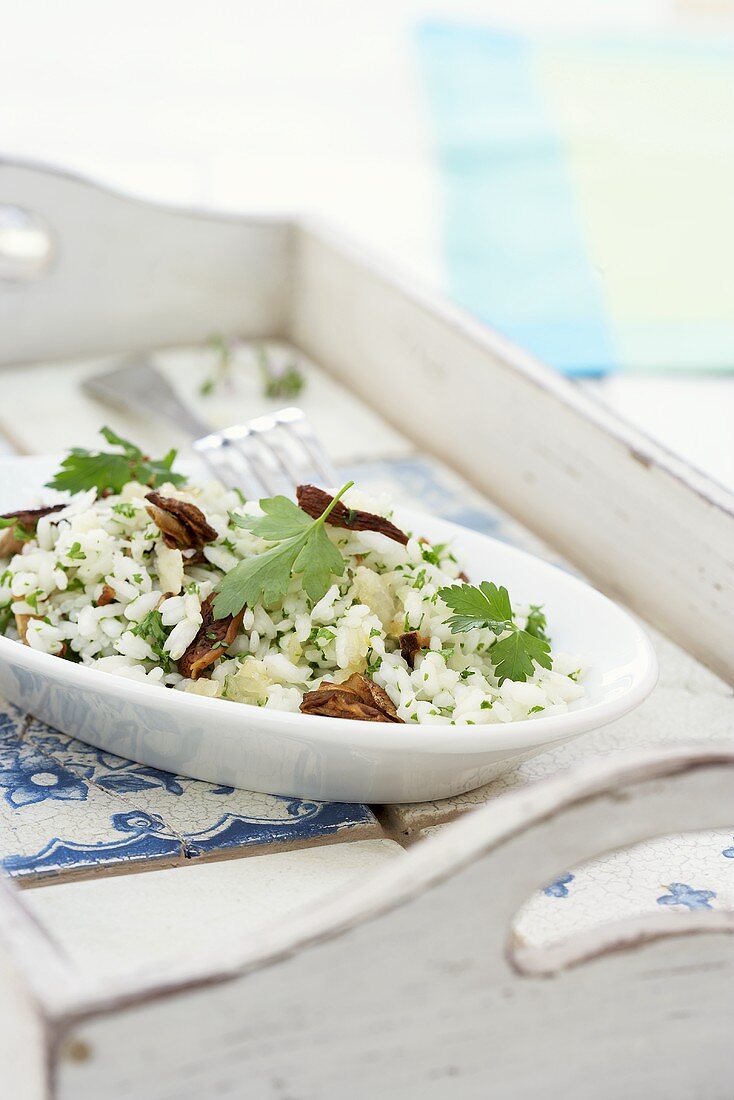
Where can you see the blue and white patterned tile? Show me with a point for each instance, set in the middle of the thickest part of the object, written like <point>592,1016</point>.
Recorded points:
<point>54,820</point>
<point>682,872</point>
<point>209,820</point>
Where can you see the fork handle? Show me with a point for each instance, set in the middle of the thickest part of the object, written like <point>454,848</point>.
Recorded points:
<point>145,390</point>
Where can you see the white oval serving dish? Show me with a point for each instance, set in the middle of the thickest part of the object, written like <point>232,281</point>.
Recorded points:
<point>308,756</point>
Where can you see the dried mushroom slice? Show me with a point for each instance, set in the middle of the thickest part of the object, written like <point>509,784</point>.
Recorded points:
<point>314,501</point>
<point>183,525</point>
<point>107,595</point>
<point>26,520</point>
<point>411,645</point>
<point>357,698</point>
<point>212,640</point>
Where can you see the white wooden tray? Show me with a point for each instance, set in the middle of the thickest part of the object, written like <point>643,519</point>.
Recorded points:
<point>429,932</point>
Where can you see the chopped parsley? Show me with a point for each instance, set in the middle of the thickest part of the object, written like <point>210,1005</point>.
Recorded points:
<point>321,636</point>
<point>373,665</point>
<point>6,616</point>
<point>151,628</point>
<point>432,554</point>
<point>75,552</point>
<point>32,598</point>
<point>19,532</point>
<point>124,508</point>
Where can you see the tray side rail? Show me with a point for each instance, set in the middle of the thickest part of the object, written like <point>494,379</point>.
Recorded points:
<point>412,984</point>
<point>124,275</point>
<point>642,524</point>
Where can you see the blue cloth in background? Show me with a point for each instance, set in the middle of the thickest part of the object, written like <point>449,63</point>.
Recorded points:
<point>514,244</point>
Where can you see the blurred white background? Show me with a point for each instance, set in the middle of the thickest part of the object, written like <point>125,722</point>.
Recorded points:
<point>311,104</point>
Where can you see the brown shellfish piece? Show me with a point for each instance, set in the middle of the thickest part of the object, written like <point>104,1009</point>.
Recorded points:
<point>211,641</point>
<point>357,698</point>
<point>314,501</point>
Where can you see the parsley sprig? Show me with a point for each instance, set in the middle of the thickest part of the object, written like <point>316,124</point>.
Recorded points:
<point>302,546</point>
<point>109,471</point>
<point>513,657</point>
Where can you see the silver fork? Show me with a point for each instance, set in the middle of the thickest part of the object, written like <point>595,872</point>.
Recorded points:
<point>264,456</point>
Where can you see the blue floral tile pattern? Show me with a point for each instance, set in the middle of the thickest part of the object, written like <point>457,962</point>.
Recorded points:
<point>54,819</point>
<point>682,894</point>
<point>207,818</point>
<point>68,808</point>
<point>559,887</point>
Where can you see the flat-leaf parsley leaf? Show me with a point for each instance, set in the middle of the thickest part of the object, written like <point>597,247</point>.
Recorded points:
<point>108,471</point>
<point>486,605</point>
<point>302,546</point>
<point>514,656</point>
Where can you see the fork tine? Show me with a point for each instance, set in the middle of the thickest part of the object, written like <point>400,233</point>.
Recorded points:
<point>294,421</point>
<point>269,434</point>
<point>257,456</point>
<point>228,465</point>
<point>267,455</point>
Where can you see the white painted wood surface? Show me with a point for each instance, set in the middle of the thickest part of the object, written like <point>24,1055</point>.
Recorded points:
<point>407,984</point>
<point>127,275</point>
<point>111,926</point>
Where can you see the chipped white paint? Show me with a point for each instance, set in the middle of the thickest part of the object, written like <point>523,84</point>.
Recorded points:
<point>407,983</point>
